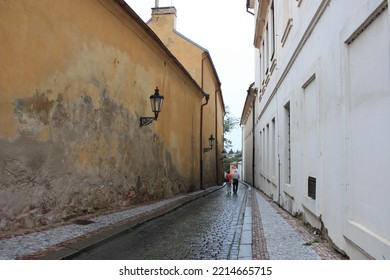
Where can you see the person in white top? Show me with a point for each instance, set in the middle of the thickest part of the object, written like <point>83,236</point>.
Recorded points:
<point>236,177</point>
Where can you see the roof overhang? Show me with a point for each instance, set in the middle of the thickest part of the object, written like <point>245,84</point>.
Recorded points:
<point>250,97</point>
<point>260,22</point>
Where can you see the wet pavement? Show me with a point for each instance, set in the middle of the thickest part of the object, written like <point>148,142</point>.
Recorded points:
<point>207,228</point>
<point>207,224</point>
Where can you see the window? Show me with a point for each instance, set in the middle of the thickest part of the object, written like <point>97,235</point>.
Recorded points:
<point>264,66</point>
<point>261,70</point>
<point>273,147</point>
<point>261,151</point>
<point>267,150</point>
<point>311,191</point>
<point>286,22</point>
<point>266,45</point>
<point>264,152</point>
<point>272,31</point>
<point>287,143</point>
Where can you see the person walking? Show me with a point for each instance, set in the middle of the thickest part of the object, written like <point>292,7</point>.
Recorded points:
<point>235,177</point>
<point>228,179</point>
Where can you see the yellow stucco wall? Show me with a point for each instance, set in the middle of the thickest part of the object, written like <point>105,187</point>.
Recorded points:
<point>198,63</point>
<point>75,76</point>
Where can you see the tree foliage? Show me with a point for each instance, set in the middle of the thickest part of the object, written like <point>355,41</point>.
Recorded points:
<point>230,123</point>
<point>228,160</point>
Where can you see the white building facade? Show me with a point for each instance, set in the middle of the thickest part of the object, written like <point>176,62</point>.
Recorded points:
<point>316,133</point>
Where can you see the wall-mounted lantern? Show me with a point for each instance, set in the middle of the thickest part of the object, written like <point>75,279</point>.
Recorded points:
<point>156,101</point>
<point>211,144</point>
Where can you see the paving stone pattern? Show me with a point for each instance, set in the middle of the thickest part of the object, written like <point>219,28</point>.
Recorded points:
<point>208,228</point>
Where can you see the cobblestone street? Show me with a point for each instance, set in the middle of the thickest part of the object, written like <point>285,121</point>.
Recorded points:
<point>207,228</point>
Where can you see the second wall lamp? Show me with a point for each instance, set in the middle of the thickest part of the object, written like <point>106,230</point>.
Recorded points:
<point>211,144</point>
<point>156,101</point>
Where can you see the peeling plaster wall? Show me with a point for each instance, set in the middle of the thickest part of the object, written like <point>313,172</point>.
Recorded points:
<point>73,84</point>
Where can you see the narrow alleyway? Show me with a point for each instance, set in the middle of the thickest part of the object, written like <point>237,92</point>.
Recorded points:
<point>218,226</point>
<point>204,225</point>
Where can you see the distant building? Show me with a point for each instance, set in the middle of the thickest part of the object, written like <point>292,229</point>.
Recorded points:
<point>233,167</point>
<point>316,137</point>
<point>197,60</point>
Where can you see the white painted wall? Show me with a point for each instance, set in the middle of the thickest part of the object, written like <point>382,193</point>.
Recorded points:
<point>338,91</point>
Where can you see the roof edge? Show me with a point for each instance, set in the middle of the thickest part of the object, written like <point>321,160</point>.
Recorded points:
<point>129,11</point>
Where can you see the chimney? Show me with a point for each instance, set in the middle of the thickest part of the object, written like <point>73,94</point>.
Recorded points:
<point>164,15</point>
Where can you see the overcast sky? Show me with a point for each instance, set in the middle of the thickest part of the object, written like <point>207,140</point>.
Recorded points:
<point>225,29</point>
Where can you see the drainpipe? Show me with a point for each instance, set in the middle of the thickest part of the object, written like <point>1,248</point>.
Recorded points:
<point>254,138</point>
<point>253,91</point>
<point>201,138</point>
<point>216,134</point>
<point>201,127</point>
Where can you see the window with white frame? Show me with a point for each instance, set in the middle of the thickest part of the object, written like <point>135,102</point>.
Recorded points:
<point>287,144</point>
<point>272,31</point>
<point>273,148</point>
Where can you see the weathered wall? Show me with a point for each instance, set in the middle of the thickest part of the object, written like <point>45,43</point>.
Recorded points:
<point>73,84</point>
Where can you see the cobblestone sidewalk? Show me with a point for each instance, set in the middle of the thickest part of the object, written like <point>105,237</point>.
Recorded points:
<point>273,239</point>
